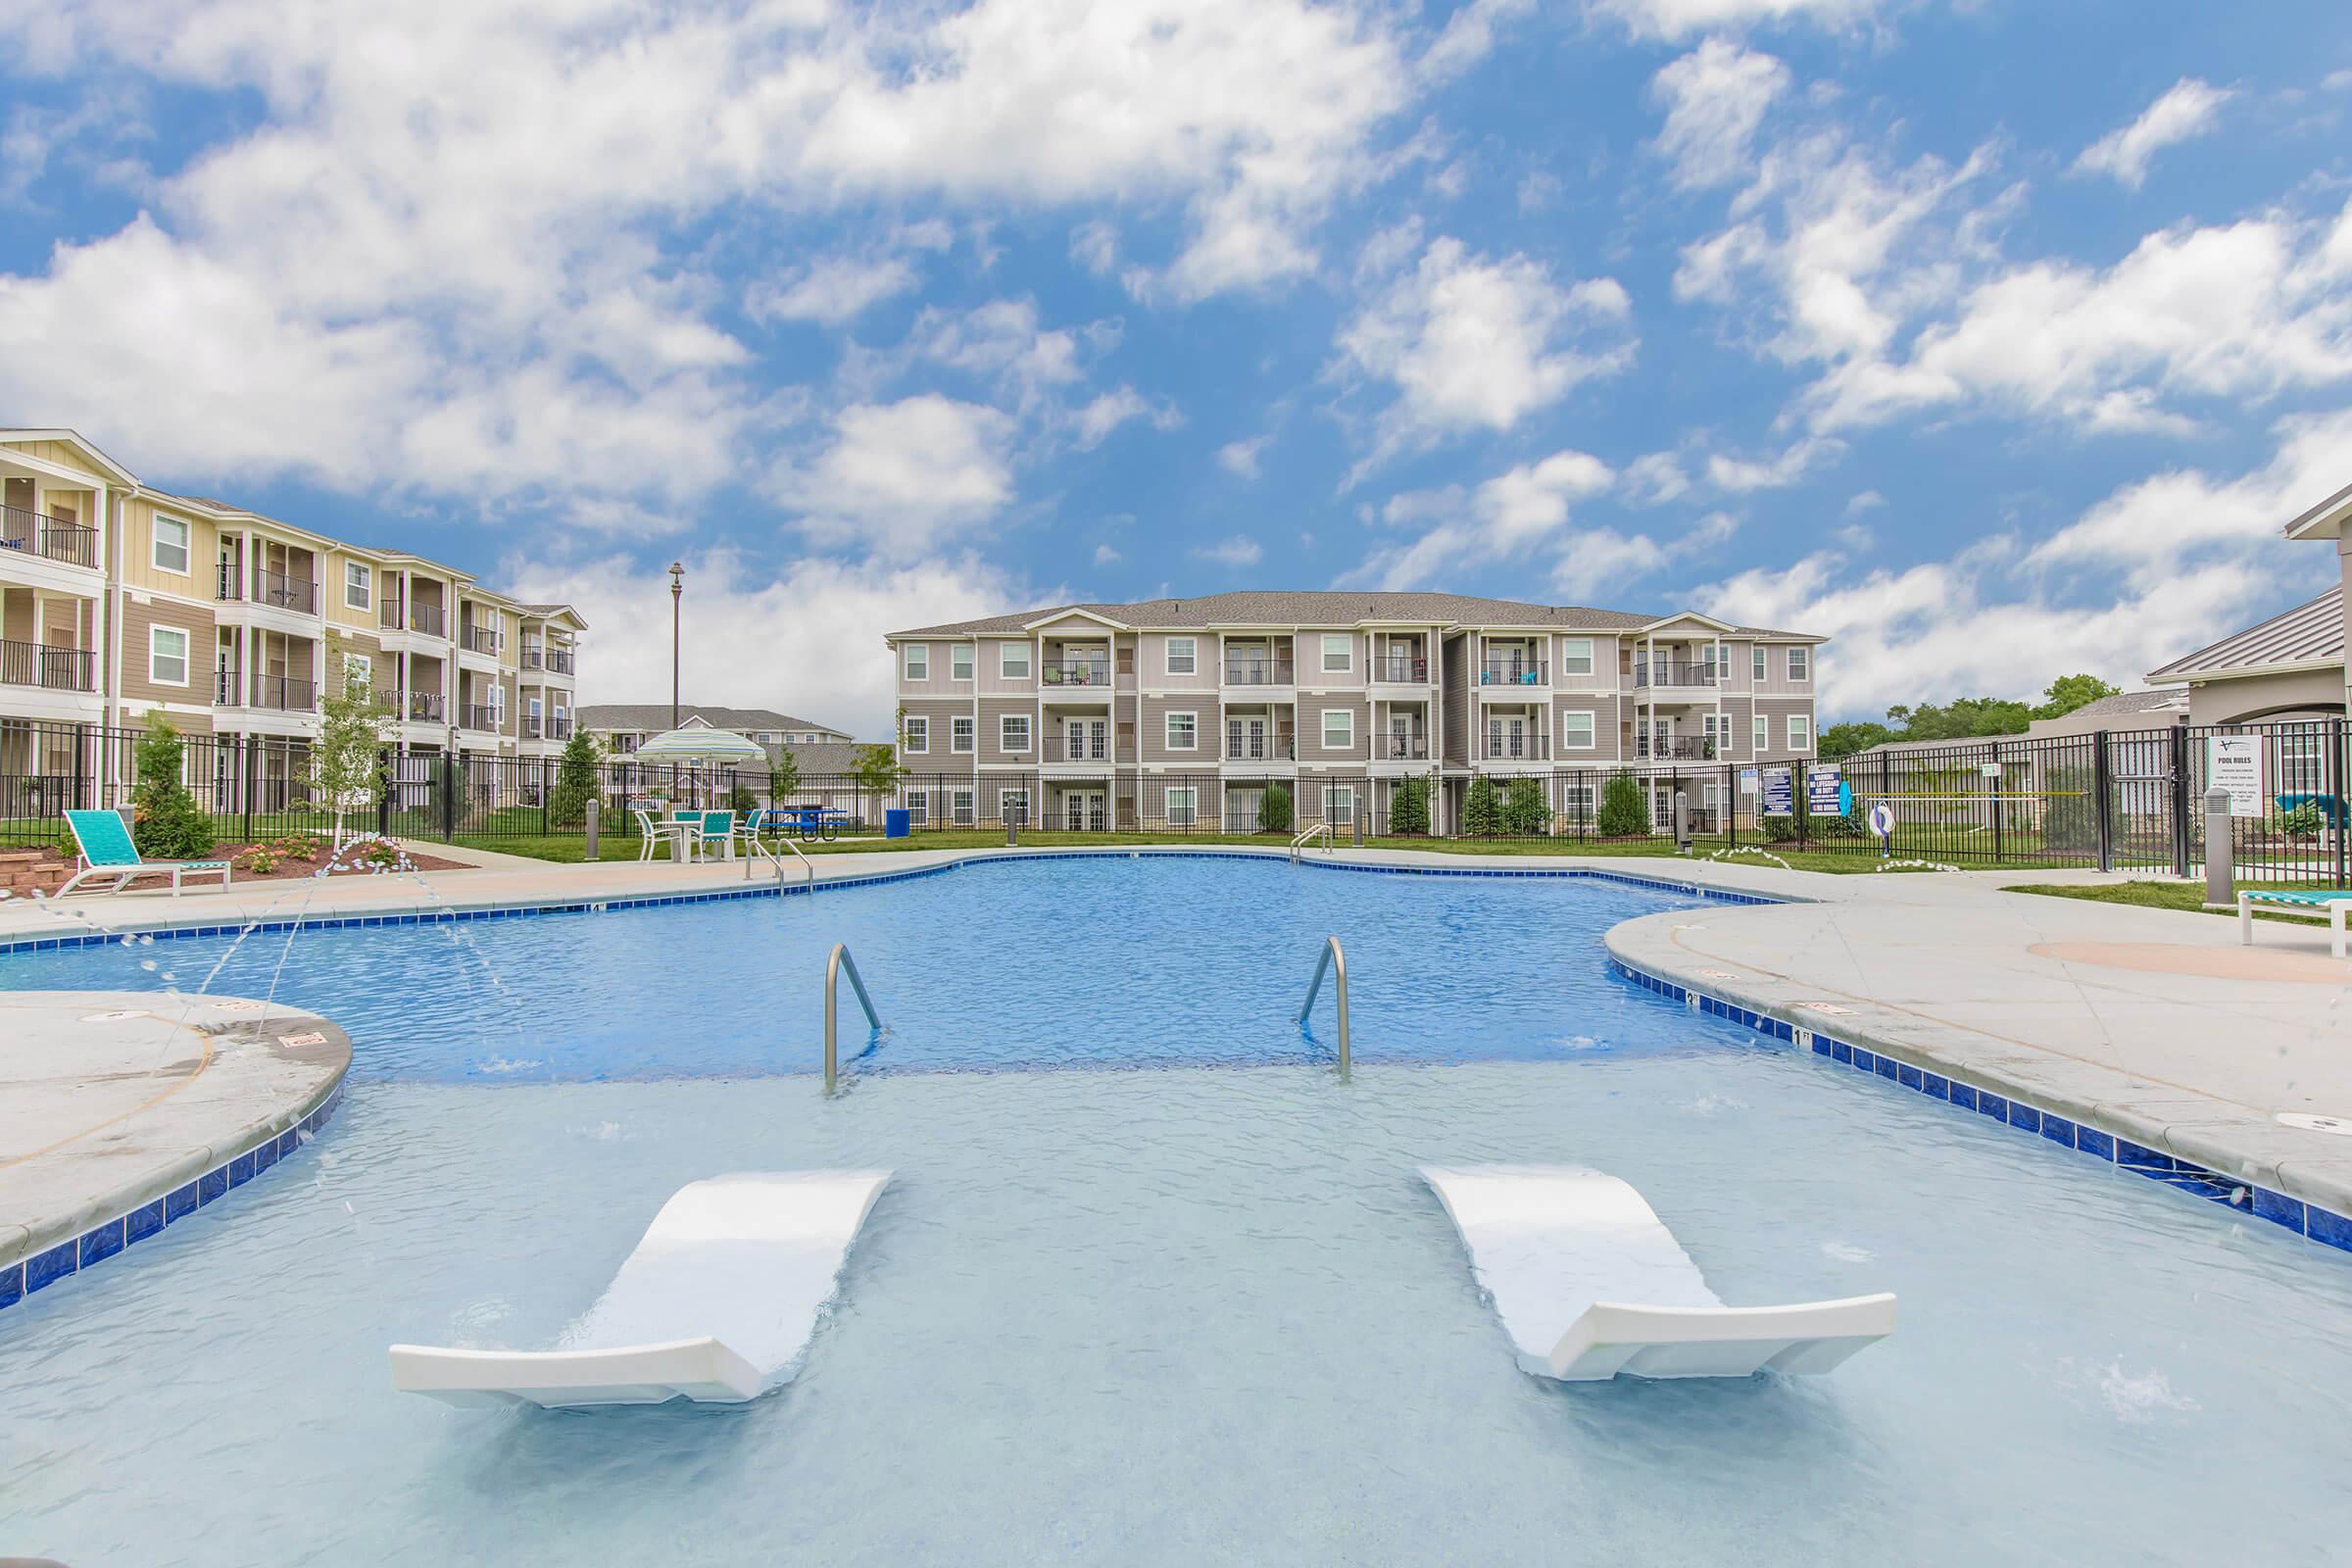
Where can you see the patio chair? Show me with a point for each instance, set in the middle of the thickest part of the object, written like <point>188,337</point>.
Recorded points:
<point>718,832</point>
<point>2333,902</point>
<point>108,854</point>
<point>678,833</point>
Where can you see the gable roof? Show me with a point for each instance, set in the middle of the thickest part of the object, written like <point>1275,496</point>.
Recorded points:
<point>655,718</point>
<point>2165,700</point>
<point>2308,636</point>
<point>2326,521</point>
<point>1334,608</point>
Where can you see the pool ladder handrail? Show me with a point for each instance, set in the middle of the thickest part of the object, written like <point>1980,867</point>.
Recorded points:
<point>835,962</point>
<point>1333,960</point>
<point>808,865</point>
<point>1330,846</point>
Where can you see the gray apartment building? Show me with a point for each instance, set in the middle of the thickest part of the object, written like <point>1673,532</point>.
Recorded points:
<point>1185,711</point>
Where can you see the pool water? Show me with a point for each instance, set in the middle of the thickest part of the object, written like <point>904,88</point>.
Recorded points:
<point>1196,1314</point>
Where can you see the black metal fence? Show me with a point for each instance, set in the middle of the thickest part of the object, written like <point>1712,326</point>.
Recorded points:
<point>2128,799</point>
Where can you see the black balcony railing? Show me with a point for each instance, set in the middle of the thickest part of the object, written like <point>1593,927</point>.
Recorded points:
<point>1258,671</point>
<point>1671,672</point>
<point>285,591</point>
<point>1514,672</point>
<point>1280,747</point>
<point>1505,747</point>
<point>532,657</point>
<point>1076,673</point>
<point>285,693</point>
<point>475,716</point>
<point>559,729</point>
<point>1400,668</point>
<point>52,538</point>
<point>57,670</point>
<point>1401,748</point>
<point>1077,749</point>
<point>559,661</point>
<point>531,727</point>
<point>478,639</point>
<point>1680,747</point>
<point>425,707</point>
<point>427,618</point>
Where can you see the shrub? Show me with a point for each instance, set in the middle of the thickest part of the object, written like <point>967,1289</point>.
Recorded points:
<point>1274,810</point>
<point>2303,823</point>
<point>741,802</point>
<point>1780,829</point>
<point>260,860</point>
<point>1525,812</point>
<point>1481,810</point>
<point>299,846</point>
<point>1623,814</point>
<point>1408,807</point>
<point>575,780</point>
<point>167,822</point>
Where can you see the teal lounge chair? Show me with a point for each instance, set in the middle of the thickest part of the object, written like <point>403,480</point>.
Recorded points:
<point>108,852</point>
<point>2335,901</point>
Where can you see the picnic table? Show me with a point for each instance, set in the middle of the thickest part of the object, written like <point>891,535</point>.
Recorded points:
<point>804,822</point>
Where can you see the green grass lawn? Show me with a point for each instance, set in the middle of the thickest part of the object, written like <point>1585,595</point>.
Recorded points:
<point>2188,896</point>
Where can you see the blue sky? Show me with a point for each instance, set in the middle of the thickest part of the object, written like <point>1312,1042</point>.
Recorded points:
<point>1992,339</point>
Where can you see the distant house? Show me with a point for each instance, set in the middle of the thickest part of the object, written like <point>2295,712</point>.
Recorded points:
<point>621,727</point>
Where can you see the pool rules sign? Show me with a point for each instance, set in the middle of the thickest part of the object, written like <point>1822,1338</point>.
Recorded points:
<point>2233,762</point>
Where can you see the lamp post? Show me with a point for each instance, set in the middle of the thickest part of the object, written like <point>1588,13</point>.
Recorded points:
<point>677,586</point>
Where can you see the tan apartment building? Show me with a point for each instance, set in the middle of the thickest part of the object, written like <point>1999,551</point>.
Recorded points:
<point>1185,711</point>
<point>118,599</point>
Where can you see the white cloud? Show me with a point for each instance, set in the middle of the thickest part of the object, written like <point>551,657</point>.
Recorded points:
<point>1504,518</point>
<point>900,475</point>
<point>1715,97</point>
<point>1864,500</point>
<point>1095,246</point>
<point>1673,20</point>
<point>1597,560</point>
<point>831,290</point>
<point>818,625</point>
<point>1655,478</point>
<point>1239,551</point>
<point>1105,556</point>
<point>1240,457</point>
<point>2187,109</point>
<point>1112,409</point>
<point>1472,343</point>
<point>1741,475</point>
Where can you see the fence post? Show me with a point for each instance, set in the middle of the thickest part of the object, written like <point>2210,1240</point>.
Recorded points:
<point>448,797</point>
<point>247,765</point>
<point>387,780</point>
<point>2101,771</point>
<point>81,765</point>
<point>2338,759</point>
<point>2180,802</point>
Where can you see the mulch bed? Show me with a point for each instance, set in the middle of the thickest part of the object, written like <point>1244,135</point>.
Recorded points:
<point>288,869</point>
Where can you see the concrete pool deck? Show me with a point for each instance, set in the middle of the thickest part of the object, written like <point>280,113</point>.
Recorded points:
<point>121,1112</point>
<point>2149,1024</point>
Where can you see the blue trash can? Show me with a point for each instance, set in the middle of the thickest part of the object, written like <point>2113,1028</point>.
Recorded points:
<point>894,822</point>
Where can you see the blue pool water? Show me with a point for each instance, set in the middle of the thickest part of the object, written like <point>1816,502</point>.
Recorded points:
<point>1202,1313</point>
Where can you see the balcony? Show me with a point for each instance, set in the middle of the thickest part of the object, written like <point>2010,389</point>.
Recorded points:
<point>1073,749</point>
<point>55,669</point>
<point>1258,671</point>
<point>1404,668</point>
<point>1513,672</point>
<point>279,590</point>
<point>1280,747</point>
<point>50,538</point>
<point>427,618</point>
<point>474,716</point>
<point>423,708</point>
<point>1508,747</point>
<point>532,725</point>
<point>1064,673</point>
<point>477,639</point>
<point>280,693</point>
<point>1675,747</point>
<point>555,660</point>
<point>1672,674</point>
<point>1401,748</point>
<point>559,728</point>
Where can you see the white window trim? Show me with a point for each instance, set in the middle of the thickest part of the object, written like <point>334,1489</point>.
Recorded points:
<point>366,663</point>
<point>1167,730</point>
<point>187,652</point>
<point>1591,731</point>
<point>918,724</point>
<point>1760,733</point>
<point>1005,653</point>
<point>1756,668</point>
<point>916,653</point>
<point>919,808</point>
<point>1799,723</point>
<point>1568,643</point>
<point>187,548</point>
<point>365,585</point>
<point>971,738</point>
<point>964,808</point>
<point>1192,805</point>
<point>1005,800</point>
<point>968,655</point>
<point>1333,796</point>
<point>1796,657</point>
<point>1346,665</point>
<point>1028,732</point>
<point>1191,656</point>
<point>1323,728</point>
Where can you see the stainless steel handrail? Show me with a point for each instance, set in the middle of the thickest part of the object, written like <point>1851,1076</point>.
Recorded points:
<point>837,960</point>
<point>808,865</point>
<point>1333,960</point>
<point>1323,828</point>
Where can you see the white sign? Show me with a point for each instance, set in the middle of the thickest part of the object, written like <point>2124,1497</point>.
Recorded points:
<point>2233,762</point>
<point>1988,770</point>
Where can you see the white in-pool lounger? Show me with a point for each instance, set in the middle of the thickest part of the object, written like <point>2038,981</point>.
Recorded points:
<point>716,1303</point>
<point>1589,1285</point>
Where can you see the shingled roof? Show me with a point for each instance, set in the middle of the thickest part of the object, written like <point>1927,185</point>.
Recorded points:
<point>654,717</point>
<point>1331,608</point>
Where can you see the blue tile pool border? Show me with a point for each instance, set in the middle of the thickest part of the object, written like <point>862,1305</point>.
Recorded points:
<point>135,1224</point>
<point>2305,1220</point>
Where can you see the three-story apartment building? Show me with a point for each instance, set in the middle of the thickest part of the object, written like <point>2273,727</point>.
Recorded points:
<point>118,599</point>
<point>1186,711</point>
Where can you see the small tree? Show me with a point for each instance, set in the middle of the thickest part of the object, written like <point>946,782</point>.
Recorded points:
<point>353,726</point>
<point>576,782</point>
<point>1524,812</point>
<point>1622,814</point>
<point>1274,810</point>
<point>783,777</point>
<point>1409,807</point>
<point>1481,810</point>
<point>878,770</point>
<point>167,822</point>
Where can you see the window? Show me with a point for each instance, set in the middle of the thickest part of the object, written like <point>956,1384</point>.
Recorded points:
<point>960,661</point>
<point>1800,733</point>
<point>1183,732</point>
<point>959,808</point>
<point>1711,796</point>
<point>358,669</point>
<point>172,550</point>
<point>766,737</point>
<point>1012,661</point>
<point>1338,805</point>
<point>1800,663</point>
<point>1763,731</point>
<point>1576,655</point>
<point>919,808</point>
<point>1338,729</point>
<point>1576,732</point>
<point>918,734</point>
<point>1184,656</point>
<point>1339,652</point>
<point>918,661</point>
<point>1577,799</point>
<point>1012,805</point>
<point>1183,806</point>
<point>359,585</point>
<point>167,655</point>
<point>1755,667</point>
<point>1013,732</point>
<point>959,735</point>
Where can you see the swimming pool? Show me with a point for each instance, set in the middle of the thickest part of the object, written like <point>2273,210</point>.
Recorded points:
<point>1201,1313</point>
